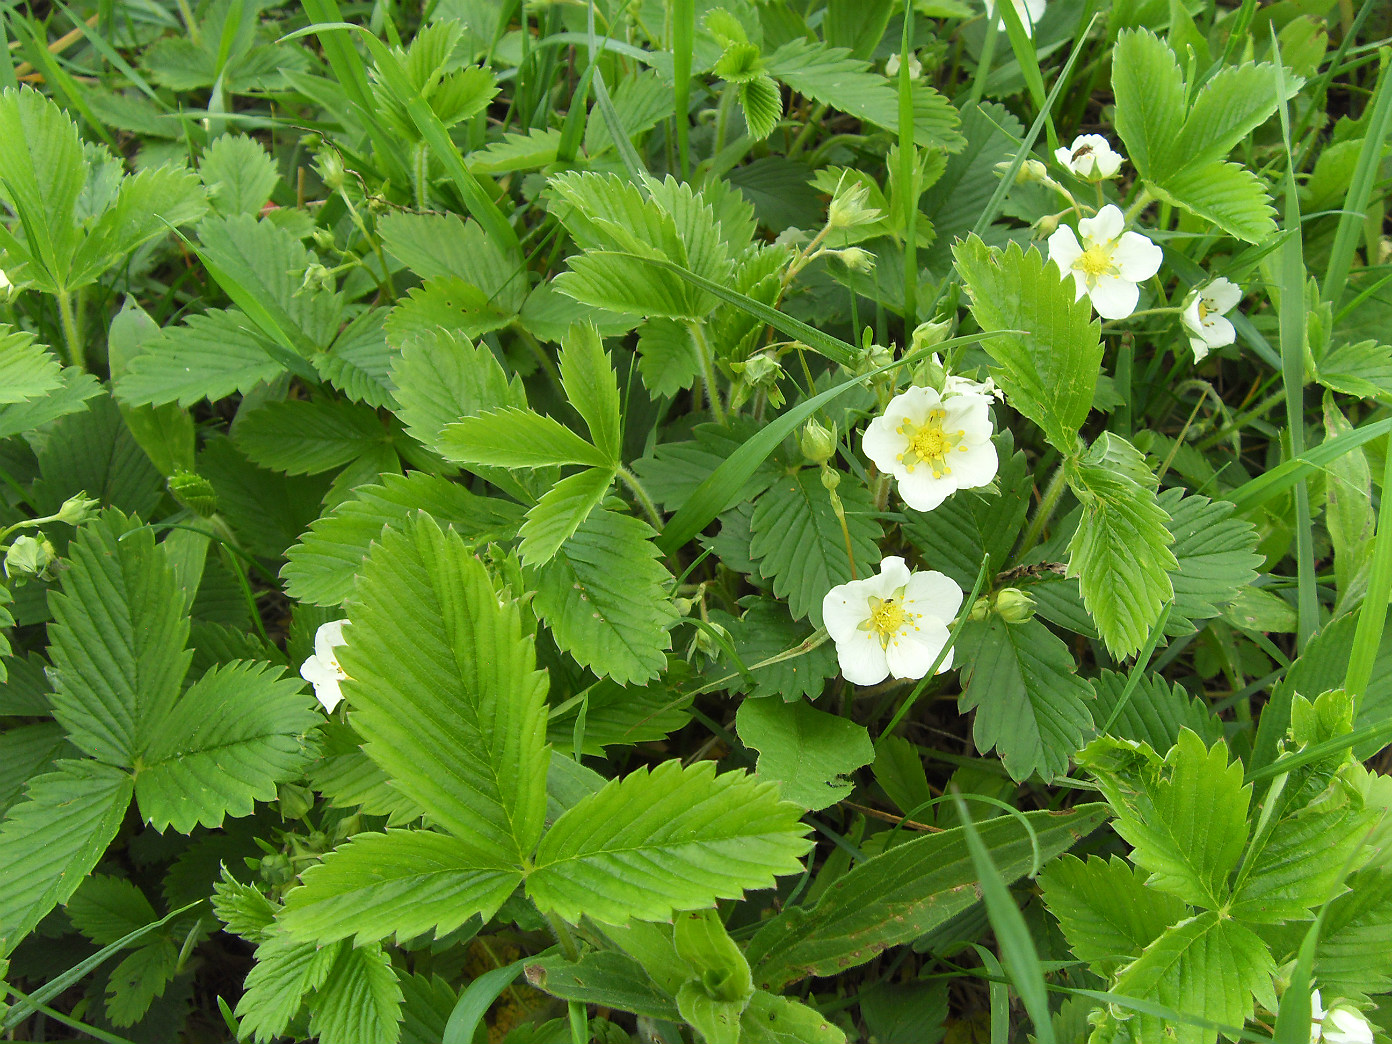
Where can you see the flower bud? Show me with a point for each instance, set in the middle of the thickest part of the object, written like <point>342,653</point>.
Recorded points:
<point>1031,171</point>
<point>979,609</point>
<point>930,373</point>
<point>855,258</point>
<point>818,443</point>
<point>76,509</point>
<point>294,800</point>
<point>848,209</point>
<point>317,277</point>
<point>831,478</point>
<point>760,368</point>
<point>1013,605</point>
<point>927,335</point>
<point>194,492</point>
<point>323,238</point>
<point>330,166</point>
<point>1044,227</point>
<point>29,556</point>
<point>275,868</point>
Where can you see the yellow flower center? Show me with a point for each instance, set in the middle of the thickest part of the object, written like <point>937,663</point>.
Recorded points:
<point>1095,261</point>
<point>1205,309</point>
<point>930,443</point>
<point>888,618</point>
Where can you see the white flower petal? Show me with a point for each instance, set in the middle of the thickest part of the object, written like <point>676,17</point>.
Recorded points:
<point>1034,9</point>
<point>1219,332</point>
<point>936,595</point>
<point>1065,156</point>
<point>325,680</point>
<point>910,654</point>
<point>844,609</point>
<point>882,443</point>
<point>1064,248</point>
<point>968,412</point>
<point>328,637</point>
<point>1108,163</point>
<point>1114,297</point>
<point>1103,228</point>
<point>1342,1026</point>
<point>1136,257</point>
<point>862,659</point>
<point>922,492</point>
<point>1189,318</point>
<point>1200,347</point>
<point>894,574</point>
<point>1222,295</point>
<point>976,466</point>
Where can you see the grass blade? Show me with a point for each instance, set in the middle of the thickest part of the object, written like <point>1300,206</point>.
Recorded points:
<point>1360,191</point>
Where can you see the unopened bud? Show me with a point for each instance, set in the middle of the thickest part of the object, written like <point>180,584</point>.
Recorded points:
<point>330,166</point>
<point>294,800</point>
<point>1045,227</point>
<point>759,369</point>
<point>979,609</point>
<point>848,209</point>
<point>818,443</point>
<point>831,478</point>
<point>927,335</point>
<point>855,258</point>
<point>1014,606</point>
<point>317,277</point>
<point>29,556</point>
<point>76,509</point>
<point>323,238</point>
<point>275,868</point>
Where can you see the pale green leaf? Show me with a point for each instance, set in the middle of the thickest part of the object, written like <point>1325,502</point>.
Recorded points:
<point>209,356</point>
<point>604,596</point>
<point>1233,103</point>
<point>669,839</point>
<point>1217,556</point>
<point>238,174</point>
<point>798,540</point>
<point>781,1020</point>
<point>1108,913</point>
<point>1299,866</point>
<point>53,838</point>
<point>603,977</point>
<point>623,283</point>
<point>320,568</point>
<point>1353,956</point>
<point>897,896</point>
<point>1363,369</point>
<point>360,362</point>
<point>1031,706</point>
<point>591,386</point>
<point>146,205</point>
<point>276,985</point>
<point>27,370</point>
<point>517,151</point>
<point>762,104</point>
<point>443,686</point>
<point>806,751</point>
<point>1155,713</point>
<point>1232,197</point>
<point>403,883</point>
<point>77,387</point>
<point>233,735</point>
<point>359,1000</point>
<point>554,518</point>
<point>1150,108</point>
<point>301,437</point>
<point>1049,372</point>
<point>117,639</point>
<point>448,303</point>
<point>43,171</point>
<point>667,356</point>
<point>516,438</point>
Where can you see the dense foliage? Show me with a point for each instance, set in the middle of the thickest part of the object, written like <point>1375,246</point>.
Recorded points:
<point>782,522</point>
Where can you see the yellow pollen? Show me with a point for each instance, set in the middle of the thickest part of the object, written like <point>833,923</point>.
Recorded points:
<point>1096,260</point>
<point>929,443</point>
<point>888,618</point>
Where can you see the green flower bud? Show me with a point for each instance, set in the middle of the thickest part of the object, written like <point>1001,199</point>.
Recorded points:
<point>855,258</point>
<point>1044,227</point>
<point>759,369</point>
<point>275,868</point>
<point>294,800</point>
<point>194,492</point>
<point>76,509</point>
<point>29,556</point>
<point>830,480</point>
<point>979,609</point>
<point>848,209</point>
<point>330,166</point>
<point>1014,606</point>
<point>927,335</point>
<point>930,374</point>
<point>323,238</point>
<point>818,443</point>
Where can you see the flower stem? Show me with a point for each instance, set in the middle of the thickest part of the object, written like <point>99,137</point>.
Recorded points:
<point>646,502</point>
<point>72,339</point>
<point>1052,492</point>
<point>703,352</point>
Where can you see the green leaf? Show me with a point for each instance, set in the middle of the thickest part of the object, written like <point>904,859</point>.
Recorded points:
<point>276,985</point>
<point>1217,557</point>
<point>899,895</point>
<point>300,437</point>
<point>238,174</point>
<point>1049,373</point>
<point>1209,966</point>
<point>782,1020</point>
<point>560,512</point>
<point>52,839</point>
<point>806,751</point>
<point>233,735</point>
<point>669,839</point>
<point>438,246</point>
<point>675,470</point>
<point>43,171</point>
<point>516,438</point>
<point>798,540</point>
<point>1120,552</point>
<point>359,363</point>
<point>591,386</point>
<point>210,356</point>
<point>106,908</point>
<point>1107,912</point>
<point>1353,957</point>
<point>833,76</point>
<point>146,205</point>
<point>762,104</point>
<point>443,685</point>
<point>92,451</point>
<point>1298,866</point>
<point>139,979</point>
<point>77,387</point>
<point>445,302</point>
<point>25,752</point>
<point>267,510</point>
<point>667,357</point>
<point>536,148</point>
<point>27,370</point>
<point>1363,369</point>
<point>117,639</point>
<point>1232,197</point>
<point>1233,103</point>
<point>1031,705</point>
<point>403,883</point>
<point>321,567</point>
<point>714,998</point>
<point>1188,822</point>
<point>606,978</point>
<point>1150,102</point>
<point>1155,712</point>
<point>440,378</point>
<point>604,596</point>
<point>766,630</point>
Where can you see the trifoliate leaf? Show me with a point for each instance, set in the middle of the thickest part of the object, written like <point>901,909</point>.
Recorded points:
<point>442,684</point>
<point>604,598</point>
<point>675,838</point>
<point>1031,706</point>
<point>806,751</point>
<point>798,540</point>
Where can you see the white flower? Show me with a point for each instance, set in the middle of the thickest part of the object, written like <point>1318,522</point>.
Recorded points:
<point>1203,316</point>
<point>1339,1025</point>
<point>933,445</point>
<point>893,64</point>
<point>895,623</point>
<point>1091,157</point>
<point>1108,264</point>
<point>957,385</point>
<point>1030,11</point>
<point>322,670</point>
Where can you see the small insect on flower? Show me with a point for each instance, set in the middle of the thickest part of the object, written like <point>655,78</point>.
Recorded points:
<point>1090,157</point>
<point>1339,1025</point>
<point>895,623</point>
<point>1030,11</point>
<point>1108,263</point>
<point>1203,313</point>
<point>322,670</point>
<point>933,444</point>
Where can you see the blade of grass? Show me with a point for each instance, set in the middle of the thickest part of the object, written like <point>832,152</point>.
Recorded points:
<point>1367,636</point>
<point>1291,320</point>
<point>1273,483</point>
<point>1017,950</point>
<point>908,173</point>
<point>1022,43</point>
<point>622,144</point>
<point>683,40</point>
<point>1360,191</point>
<point>108,52</point>
<point>475,1001</point>
<point>1380,732</point>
